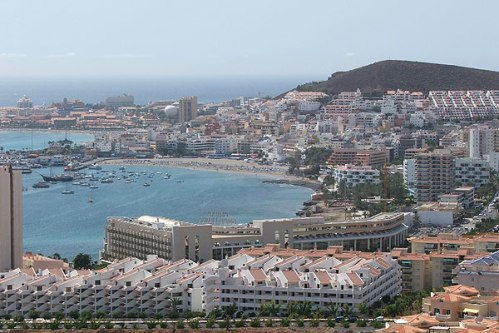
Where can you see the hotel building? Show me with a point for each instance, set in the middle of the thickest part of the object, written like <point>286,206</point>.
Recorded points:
<point>174,240</point>
<point>187,109</point>
<point>355,175</point>
<point>11,223</point>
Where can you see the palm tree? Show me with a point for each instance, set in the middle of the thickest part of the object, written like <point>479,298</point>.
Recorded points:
<point>363,309</point>
<point>332,309</point>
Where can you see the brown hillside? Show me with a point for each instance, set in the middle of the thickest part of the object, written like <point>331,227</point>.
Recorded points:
<point>386,75</point>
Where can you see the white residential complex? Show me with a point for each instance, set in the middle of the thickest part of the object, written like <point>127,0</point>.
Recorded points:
<point>171,239</point>
<point>133,285</point>
<point>355,175</point>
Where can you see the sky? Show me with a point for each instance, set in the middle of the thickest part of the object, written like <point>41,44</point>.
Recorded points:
<point>236,37</point>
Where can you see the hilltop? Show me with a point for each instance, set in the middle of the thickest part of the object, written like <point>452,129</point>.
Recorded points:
<point>381,76</point>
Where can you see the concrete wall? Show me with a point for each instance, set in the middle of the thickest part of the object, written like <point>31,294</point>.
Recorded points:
<point>191,236</point>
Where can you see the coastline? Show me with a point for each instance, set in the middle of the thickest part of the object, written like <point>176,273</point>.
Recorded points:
<point>271,173</point>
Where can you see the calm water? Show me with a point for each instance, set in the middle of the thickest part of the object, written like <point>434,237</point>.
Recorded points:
<point>68,224</point>
<point>38,139</point>
<point>144,89</point>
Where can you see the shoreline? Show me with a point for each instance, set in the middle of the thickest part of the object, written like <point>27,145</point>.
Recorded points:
<point>273,174</point>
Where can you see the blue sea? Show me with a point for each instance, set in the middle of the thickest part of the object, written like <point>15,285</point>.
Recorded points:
<point>69,224</point>
<point>144,89</point>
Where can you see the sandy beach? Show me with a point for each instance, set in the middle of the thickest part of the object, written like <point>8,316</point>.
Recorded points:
<point>275,172</point>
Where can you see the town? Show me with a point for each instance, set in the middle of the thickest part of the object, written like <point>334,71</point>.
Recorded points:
<point>401,231</point>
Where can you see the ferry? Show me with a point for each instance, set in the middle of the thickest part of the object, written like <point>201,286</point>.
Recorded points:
<point>41,185</point>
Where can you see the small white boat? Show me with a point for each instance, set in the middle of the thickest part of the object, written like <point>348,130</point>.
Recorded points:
<point>67,192</point>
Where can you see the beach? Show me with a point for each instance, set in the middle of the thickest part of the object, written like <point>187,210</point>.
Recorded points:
<point>275,172</point>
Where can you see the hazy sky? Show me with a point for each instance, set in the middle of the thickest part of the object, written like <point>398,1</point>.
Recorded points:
<point>234,37</point>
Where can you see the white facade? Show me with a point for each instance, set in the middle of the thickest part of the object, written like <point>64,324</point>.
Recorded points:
<point>309,106</point>
<point>472,171</point>
<point>481,141</point>
<point>409,173</point>
<point>493,159</point>
<point>355,175</point>
<point>148,286</point>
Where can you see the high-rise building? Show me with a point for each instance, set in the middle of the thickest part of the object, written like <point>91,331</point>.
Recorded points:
<point>434,175</point>
<point>11,227</point>
<point>481,141</point>
<point>188,109</point>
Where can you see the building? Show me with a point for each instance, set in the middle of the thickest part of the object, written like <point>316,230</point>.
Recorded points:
<point>356,175</point>
<point>148,286</point>
<point>11,222</point>
<point>409,174</point>
<point>481,274</point>
<point>433,261</point>
<point>174,240</point>
<point>481,141</point>
<point>363,157</point>
<point>24,103</point>
<point>465,304</point>
<point>434,175</point>
<point>187,109</point>
<point>439,214</point>
<point>472,171</point>
<point>119,101</point>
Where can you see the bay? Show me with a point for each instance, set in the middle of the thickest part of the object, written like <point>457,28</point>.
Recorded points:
<point>69,224</point>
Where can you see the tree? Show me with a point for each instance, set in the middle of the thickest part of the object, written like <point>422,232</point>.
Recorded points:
<point>82,261</point>
<point>56,256</point>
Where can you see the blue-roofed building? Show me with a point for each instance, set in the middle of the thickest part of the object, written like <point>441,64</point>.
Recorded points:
<point>481,273</point>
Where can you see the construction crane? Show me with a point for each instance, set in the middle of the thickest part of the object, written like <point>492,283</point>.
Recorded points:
<point>385,187</point>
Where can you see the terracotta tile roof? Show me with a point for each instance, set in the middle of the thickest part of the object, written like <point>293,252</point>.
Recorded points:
<point>291,276</point>
<point>258,274</point>
<point>355,278</point>
<point>323,276</point>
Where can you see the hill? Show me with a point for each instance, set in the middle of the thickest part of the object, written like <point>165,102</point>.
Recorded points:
<point>381,76</point>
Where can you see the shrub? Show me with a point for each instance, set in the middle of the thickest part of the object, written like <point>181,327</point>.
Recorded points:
<point>94,325</point>
<point>315,322</point>
<point>331,322</point>
<point>222,324</point>
<point>346,324</point>
<point>377,324</point>
<point>108,325</point>
<point>269,322</point>
<point>300,322</point>
<point>151,324</point>
<point>68,324</point>
<point>361,323</point>
<point>180,325</point>
<point>210,323</point>
<point>255,322</point>
<point>194,324</point>
<point>285,322</point>
<point>163,324</point>
<point>240,323</point>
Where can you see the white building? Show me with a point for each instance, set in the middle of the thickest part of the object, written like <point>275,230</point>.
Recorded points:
<point>409,174</point>
<point>472,171</point>
<point>481,141</point>
<point>438,214</point>
<point>148,286</point>
<point>309,106</point>
<point>354,175</point>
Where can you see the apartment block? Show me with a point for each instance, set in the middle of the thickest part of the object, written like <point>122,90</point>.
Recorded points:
<point>433,261</point>
<point>149,286</point>
<point>472,171</point>
<point>481,274</point>
<point>434,175</point>
<point>363,157</point>
<point>356,175</point>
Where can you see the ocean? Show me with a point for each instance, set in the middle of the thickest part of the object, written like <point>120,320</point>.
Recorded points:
<point>68,224</point>
<point>144,89</point>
